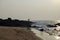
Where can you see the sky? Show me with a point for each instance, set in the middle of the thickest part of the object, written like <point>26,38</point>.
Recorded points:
<point>30,9</point>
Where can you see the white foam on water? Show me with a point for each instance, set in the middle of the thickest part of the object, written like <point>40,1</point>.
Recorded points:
<point>44,35</point>
<point>57,37</point>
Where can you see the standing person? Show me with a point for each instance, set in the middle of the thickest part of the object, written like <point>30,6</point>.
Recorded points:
<point>28,24</point>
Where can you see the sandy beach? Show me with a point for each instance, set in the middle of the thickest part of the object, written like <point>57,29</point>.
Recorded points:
<point>17,33</point>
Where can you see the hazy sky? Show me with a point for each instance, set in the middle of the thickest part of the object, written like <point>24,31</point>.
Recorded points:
<point>32,9</point>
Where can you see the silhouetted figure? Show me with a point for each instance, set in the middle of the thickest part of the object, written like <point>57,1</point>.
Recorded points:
<point>28,24</point>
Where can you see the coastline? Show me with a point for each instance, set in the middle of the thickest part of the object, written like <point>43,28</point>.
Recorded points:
<point>17,33</point>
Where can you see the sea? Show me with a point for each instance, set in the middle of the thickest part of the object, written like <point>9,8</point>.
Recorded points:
<point>44,35</point>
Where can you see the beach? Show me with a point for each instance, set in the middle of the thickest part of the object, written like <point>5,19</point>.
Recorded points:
<point>17,33</point>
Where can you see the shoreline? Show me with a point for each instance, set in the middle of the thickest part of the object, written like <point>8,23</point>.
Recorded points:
<point>17,33</point>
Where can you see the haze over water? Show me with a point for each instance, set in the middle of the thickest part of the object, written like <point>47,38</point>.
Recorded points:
<point>32,9</point>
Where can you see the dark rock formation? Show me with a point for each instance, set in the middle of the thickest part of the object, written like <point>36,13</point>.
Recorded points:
<point>10,22</point>
<point>58,24</point>
<point>41,30</point>
<point>49,25</point>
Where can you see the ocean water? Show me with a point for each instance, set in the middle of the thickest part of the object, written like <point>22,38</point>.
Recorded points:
<point>44,35</point>
<point>44,22</point>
